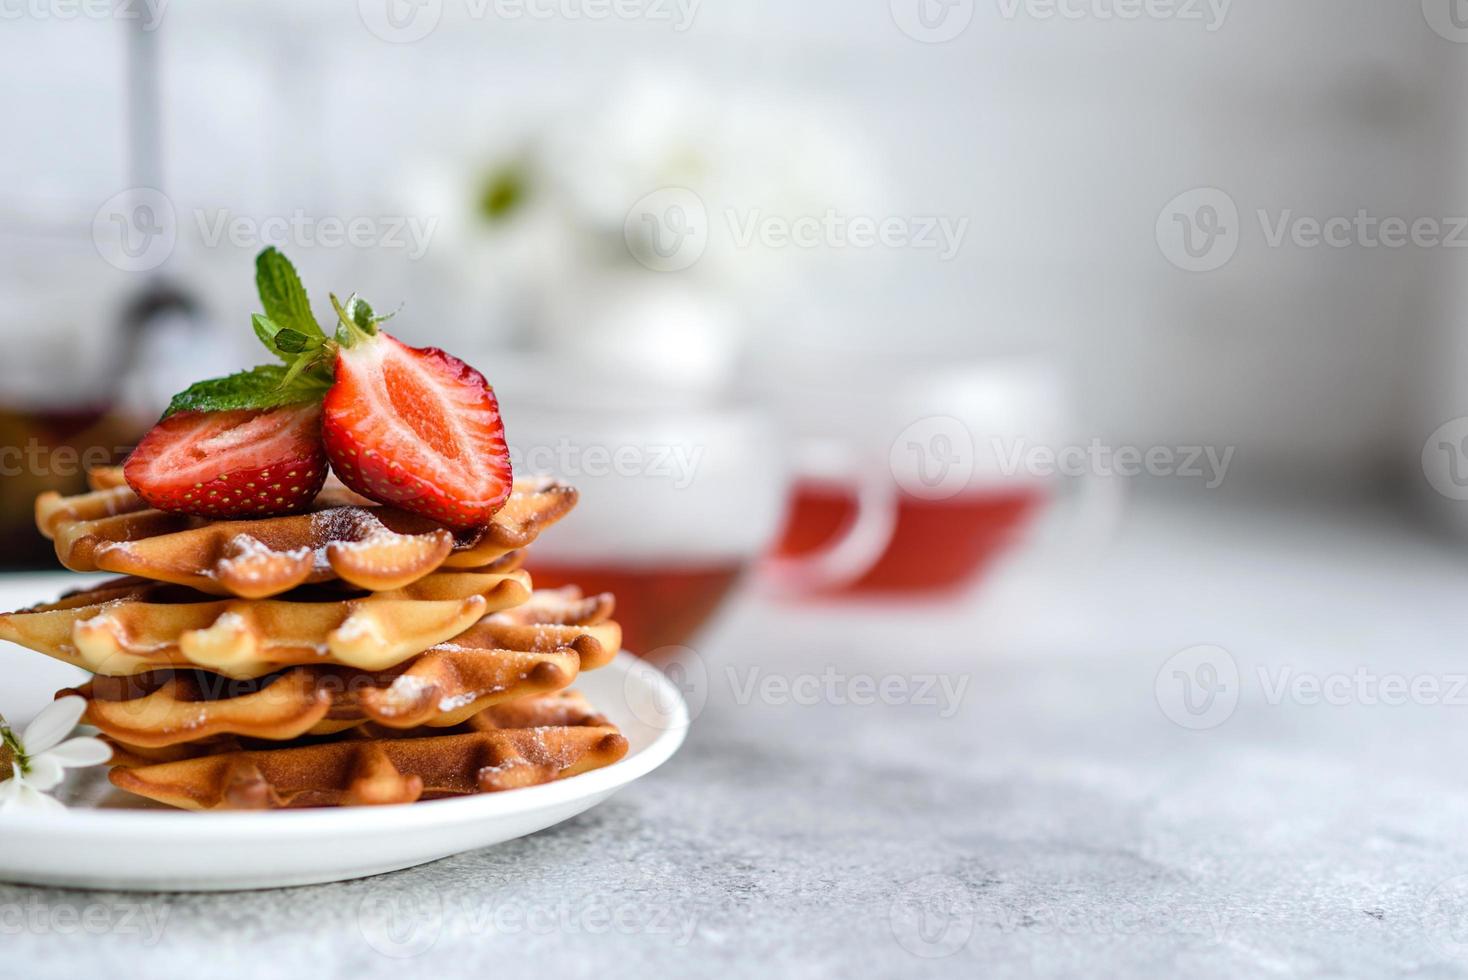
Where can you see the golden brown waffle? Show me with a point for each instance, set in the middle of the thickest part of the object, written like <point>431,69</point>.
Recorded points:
<point>354,772</point>
<point>124,754</point>
<point>551,619</point>
<point>111,477</point>
<point>130,626</point>
<point>343,537</point>
<point>445,686</point>
<point>559,709</point>
<point>438,689</point>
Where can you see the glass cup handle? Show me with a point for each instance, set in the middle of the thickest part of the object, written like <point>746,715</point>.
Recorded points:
<point>856,551</point>
<point>1077,533</point>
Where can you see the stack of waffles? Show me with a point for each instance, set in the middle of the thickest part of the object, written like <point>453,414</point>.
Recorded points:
<point>353,654</point>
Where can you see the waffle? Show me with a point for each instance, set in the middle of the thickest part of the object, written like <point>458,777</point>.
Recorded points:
<point>436,689</point>
<point>561,709</point>
<point>365,771</point>
<point>343,537</point>
<point>550,620</point>
<point>131,626</point>
<point>445,686</point>
<point>354,654</point>
<point>133,756</point>
<point>556,709</point>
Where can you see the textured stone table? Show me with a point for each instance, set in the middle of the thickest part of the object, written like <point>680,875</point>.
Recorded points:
<point>1054,821</point>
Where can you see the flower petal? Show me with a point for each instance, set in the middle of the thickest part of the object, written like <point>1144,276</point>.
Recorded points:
<point>18,794</point>
<point>43,772</point>
<point>29,798</point>
<point>77,752</point>
<point>54,723</point>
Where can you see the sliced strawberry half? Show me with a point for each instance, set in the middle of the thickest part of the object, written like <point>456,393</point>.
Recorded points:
<point>418,429</point>
<point>234,464</point>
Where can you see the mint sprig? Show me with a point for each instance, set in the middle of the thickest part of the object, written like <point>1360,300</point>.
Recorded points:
<point>264,387</point>
<point>287,307</point>
<point>290,331</point>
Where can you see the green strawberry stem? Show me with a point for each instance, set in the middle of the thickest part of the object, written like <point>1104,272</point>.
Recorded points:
<point>358,325</point>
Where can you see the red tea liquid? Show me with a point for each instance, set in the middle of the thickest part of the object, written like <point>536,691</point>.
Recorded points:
<point>46,449</point>
<point>657,605</point>
<point>937,545</point>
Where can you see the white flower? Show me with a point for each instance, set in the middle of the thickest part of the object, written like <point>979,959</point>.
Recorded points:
<point>41,756</point>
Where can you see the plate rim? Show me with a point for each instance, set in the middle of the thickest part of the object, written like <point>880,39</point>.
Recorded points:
<point>92,822</point>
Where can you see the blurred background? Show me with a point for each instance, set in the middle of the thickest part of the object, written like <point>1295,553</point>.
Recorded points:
<point>850,303</point>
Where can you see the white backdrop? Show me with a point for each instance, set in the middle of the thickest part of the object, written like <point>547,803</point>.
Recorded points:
<point>1060,139</point>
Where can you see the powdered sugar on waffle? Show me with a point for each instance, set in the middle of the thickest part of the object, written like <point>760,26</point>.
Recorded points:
<point>231,621</point>
<point>358,532</point>
<point>358,627</point>
<point>249,558</point>
<point>450,705</point>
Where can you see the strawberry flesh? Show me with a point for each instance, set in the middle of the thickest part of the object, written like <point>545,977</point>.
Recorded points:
<point>418,429</point>
<point>234,464</point>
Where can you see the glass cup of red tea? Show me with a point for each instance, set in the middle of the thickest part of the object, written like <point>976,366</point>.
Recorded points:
<point>922,488</point>
<point>677,503</point>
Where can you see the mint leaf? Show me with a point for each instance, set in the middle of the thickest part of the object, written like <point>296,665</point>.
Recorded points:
<point>265,329</point>
<point>268,386</point>
<point>286,304</point>
<point>316,369</point>
<point>291,341</point>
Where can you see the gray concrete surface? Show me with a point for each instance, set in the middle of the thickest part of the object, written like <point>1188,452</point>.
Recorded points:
<point>1046,814</point>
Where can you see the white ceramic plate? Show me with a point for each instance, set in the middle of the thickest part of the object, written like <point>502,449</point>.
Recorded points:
<point>108,839</point>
